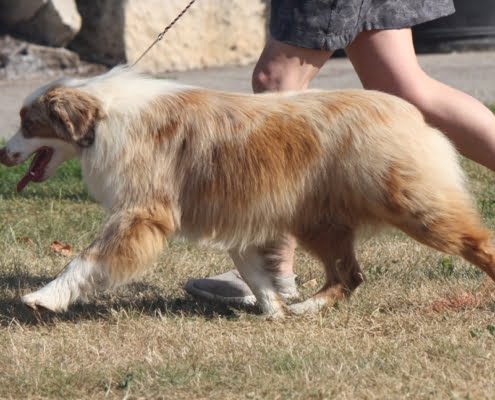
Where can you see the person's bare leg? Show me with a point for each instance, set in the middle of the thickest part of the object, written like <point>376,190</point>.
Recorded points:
<point>386,60</point>
<point>281,67</point>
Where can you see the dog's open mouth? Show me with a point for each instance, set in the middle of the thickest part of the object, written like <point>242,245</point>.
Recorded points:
<point>36,171</point>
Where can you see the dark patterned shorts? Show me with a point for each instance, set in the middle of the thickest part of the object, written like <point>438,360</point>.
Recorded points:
<point>334,24</point>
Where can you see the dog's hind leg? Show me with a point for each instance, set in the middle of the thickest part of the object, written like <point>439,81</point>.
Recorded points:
<point>258,267</point>
<point>129,241</point>
<point>335,248</point>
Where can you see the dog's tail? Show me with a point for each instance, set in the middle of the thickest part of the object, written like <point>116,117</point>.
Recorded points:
<point>428,199</point>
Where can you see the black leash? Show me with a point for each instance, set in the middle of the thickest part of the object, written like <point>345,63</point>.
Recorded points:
<point>160,36</point>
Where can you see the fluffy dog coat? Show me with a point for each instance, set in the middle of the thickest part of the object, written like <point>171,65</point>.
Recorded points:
<point>240,172</point>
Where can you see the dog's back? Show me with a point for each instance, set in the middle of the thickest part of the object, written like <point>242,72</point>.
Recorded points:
<point>290,162</point>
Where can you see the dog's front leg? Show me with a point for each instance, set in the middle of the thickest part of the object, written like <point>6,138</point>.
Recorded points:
<point>259,274</point>
<point>128,242</point>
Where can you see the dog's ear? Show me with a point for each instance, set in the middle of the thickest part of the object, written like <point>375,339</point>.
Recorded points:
<point>74,114</point>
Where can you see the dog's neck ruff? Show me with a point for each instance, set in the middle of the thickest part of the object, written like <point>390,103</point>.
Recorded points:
<point>125,90</point>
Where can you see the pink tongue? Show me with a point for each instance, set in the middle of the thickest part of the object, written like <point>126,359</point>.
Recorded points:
<point>24,181</point>
<point>37,168</point>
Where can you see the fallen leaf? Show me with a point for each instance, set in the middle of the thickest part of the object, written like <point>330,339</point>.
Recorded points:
<point>61,248</point>
<point>461,301</point>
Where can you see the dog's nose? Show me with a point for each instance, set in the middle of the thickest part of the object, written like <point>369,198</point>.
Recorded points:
<point>5,159</point>
<point>3,155</point>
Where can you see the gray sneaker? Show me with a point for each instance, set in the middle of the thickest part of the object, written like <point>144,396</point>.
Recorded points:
<point>230,288</point>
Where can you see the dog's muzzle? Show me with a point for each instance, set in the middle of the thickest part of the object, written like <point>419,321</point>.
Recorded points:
<point>8,159</point>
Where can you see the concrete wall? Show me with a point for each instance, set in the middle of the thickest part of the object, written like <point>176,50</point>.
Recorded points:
<point>212,33</point>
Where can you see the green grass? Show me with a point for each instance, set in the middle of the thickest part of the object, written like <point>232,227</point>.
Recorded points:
<point>421,327</point>
<point>66,184</point>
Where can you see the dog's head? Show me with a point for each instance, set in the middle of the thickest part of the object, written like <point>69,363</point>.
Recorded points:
<point>57,123</point>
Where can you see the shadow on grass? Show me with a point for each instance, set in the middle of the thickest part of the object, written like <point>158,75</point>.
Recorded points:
<point>21,280</point>
<point>141,299</point>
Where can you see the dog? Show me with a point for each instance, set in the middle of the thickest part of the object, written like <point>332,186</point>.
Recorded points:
<point>241,172</point>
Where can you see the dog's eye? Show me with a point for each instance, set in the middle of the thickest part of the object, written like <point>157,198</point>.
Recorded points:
<point>26,127</point>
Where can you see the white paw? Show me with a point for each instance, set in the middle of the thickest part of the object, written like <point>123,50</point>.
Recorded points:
<point>272,307</point>
<point>46,298</point>
<point>73,284</point>
<point>311,305</point>
<point>275,315</point>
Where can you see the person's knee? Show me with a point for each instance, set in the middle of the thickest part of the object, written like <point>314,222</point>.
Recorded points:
<point>264,81</point>
<point>415,91</point>
<point>419,95</point>
<point>282,67</point>
<point>277,77</point>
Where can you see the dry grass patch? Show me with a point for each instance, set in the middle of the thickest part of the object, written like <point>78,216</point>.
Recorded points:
<point>421,327</point>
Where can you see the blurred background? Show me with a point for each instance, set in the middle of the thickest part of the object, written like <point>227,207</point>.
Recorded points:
<point>84,35</point>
